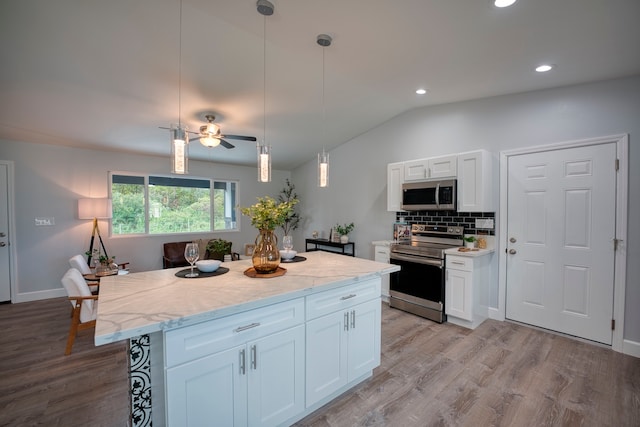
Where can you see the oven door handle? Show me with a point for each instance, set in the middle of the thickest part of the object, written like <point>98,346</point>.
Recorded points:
<point>419,260</point>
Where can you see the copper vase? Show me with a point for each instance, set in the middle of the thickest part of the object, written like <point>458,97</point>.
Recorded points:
<point>266,256</point>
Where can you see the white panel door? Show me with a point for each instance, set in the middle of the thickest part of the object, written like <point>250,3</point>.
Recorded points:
<point>561,225</point>
<point>5,271</point>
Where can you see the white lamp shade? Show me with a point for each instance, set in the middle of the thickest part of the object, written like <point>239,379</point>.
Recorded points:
<point>94,208</point>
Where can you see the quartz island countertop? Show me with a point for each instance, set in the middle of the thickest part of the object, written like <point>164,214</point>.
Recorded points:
<point>141,303</point>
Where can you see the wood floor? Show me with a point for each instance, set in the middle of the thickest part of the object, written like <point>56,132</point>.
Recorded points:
<point>501,374</point>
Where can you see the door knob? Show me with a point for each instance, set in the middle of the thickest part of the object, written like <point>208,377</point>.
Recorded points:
<point>2,234</point>
<point>2,244</point>
<point>513,240</point>
<point>512,251</point>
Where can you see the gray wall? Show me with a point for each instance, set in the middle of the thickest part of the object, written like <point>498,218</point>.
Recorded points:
<point>357,189</point>
<point>49,180</point>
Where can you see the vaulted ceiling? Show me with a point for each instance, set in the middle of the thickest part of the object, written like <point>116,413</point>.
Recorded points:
<point>105,74</point>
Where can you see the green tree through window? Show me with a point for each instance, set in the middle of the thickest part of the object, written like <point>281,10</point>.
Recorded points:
<point>174,205</point>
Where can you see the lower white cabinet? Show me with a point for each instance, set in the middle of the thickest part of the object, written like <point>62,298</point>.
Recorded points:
<point>466,289</point>
<point>256,367</point>
<point>341,347</point>
<point>382,253</point>
<point>239,370</point>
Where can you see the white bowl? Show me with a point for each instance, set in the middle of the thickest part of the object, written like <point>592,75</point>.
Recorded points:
<point>208,265</point>
<point>284,254</point>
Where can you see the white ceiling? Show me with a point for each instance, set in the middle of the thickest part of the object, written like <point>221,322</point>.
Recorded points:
<point>104,74</point>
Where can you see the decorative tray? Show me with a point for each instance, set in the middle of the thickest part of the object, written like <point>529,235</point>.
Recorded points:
<point>218,272</point>
<point>296,258</point>
<point>251,272</point>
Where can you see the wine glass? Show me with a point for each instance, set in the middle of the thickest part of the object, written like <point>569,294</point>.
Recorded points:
<point>287,243</point>
<point>191,255</point>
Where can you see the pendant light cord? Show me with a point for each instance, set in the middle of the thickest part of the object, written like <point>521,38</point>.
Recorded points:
<point>180,68</point>
<point>264,80</point>
<point>324,109</point>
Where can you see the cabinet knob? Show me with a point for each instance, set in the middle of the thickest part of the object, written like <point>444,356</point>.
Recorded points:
<point>512,251</point>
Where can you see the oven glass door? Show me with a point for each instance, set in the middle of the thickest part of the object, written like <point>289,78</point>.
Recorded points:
<point>423,281</point>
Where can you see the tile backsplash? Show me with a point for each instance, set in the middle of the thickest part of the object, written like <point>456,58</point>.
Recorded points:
<point>449,218</point>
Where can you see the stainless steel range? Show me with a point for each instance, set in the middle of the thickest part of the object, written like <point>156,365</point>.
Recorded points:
<point>419,286</point>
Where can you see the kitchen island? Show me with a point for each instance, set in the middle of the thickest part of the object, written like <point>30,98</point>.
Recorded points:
<point>236,350</point>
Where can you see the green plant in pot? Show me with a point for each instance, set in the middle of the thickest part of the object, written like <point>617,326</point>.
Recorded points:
<point>266,216</point>
<point>218,248</point>
<point>469,241</point>
<point>343,230</point>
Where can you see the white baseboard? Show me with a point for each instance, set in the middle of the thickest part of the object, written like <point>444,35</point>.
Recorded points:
<point>632,348</point>
<point>39,295</point>
<point>495,314</point>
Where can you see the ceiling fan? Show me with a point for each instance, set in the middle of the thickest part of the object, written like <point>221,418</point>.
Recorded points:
<point>211,136</point>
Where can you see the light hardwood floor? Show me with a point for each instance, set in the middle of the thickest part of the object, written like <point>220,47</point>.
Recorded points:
<point>501,374</point>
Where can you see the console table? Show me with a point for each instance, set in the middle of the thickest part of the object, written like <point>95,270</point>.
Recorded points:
<point>325,244</point>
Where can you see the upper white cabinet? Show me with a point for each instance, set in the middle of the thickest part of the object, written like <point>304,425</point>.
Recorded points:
<point>474,182</point>
<point>434,167</point>
<point>395,179</point>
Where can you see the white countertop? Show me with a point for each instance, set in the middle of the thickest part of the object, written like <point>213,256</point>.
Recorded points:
<point>140,303</point>
<point>383,242</point>
<point>472,253</point>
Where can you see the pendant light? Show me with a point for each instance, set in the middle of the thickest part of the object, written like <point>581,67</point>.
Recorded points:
<point>265,8</point>
<point>178,132</point>
<point>323,40</point>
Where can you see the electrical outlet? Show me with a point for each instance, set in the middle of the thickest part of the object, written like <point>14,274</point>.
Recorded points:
<point>45,220</point>
<point>484,223</point>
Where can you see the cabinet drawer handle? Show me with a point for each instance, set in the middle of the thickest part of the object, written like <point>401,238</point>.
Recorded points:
<point>353,319</point>
<point>346,320</point>
<point>457,262</point>
<point>254,357</point>
<point>348,297</point>
<point>242,362</point>
<point>244,328</point>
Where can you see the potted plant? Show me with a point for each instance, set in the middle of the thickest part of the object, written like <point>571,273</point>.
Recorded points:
<point>343,230</point>
<point>288,194</point>
<point>469,241</point>
<point>218,248</point>
<point>266,216</point>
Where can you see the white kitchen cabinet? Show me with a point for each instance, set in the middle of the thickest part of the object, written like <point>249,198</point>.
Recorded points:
<point>382,252</point>
<point>395,179</point>
<point>475,189</point>
<point>236,371</point>
<point>344,344</point>
<point>466,289</point>
<point>431,168</point>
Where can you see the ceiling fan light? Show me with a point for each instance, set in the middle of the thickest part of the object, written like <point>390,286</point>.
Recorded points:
<point>209,141</point>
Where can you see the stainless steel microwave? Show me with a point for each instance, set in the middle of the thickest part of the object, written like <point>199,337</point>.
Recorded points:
<point>429,195</point>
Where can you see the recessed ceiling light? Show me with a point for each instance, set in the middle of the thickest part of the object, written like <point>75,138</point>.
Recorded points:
<point>421,91</point>
<point>544,68</point>
<point>503,3</point>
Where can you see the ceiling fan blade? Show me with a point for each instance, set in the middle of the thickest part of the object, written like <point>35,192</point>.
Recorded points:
<point>243,138</point>
<point>225,144</point>
<point>160,127</point>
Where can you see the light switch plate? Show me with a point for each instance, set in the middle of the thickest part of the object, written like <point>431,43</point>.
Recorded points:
<point>45,220</point>
<point>484,223</point>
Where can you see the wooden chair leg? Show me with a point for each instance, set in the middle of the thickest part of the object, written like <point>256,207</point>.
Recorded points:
<point>73,329</point>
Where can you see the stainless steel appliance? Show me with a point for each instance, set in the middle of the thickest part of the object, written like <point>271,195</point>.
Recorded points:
<point>419,285</point>
<point>429,195</point>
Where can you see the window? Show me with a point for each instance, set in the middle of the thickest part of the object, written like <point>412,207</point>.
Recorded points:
<point>164,205</point>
